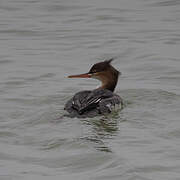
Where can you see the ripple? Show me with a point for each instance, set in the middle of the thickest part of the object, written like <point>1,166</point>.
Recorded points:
<point>5,61</point>
<point>166,3</point>
<point>64,7</point>
<point>19,32</point>
<point>41,77</point>
<point>6,134</point>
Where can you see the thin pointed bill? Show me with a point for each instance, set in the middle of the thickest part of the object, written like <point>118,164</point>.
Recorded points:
<point>86,75</point>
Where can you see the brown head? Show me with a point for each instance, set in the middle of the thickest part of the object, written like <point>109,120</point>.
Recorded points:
<point>104,72</point>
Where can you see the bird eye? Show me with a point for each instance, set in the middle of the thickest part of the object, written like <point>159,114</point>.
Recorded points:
<point>93,71</point>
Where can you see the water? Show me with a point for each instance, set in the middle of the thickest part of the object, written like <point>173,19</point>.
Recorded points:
<point>41,42</point>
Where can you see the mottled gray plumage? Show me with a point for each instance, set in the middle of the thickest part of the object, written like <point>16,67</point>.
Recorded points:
<point>92,103</point>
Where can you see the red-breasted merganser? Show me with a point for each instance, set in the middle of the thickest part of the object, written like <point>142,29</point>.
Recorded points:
<point>99,101</point>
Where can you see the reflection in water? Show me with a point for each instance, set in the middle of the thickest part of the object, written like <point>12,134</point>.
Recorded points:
<point>103,129</point>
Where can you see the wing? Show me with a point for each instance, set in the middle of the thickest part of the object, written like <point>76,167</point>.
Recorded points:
<point>101,100</point>
<point>75,103</point>
<point>87,100</point>
<point>108,104</point>
<point>93,99</point>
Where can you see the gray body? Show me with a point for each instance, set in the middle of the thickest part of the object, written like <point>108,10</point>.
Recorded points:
<point>92,103</point>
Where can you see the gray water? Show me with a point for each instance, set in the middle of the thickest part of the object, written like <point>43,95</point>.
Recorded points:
<point>42,42</point>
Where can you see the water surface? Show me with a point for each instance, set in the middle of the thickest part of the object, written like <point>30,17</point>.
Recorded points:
<point>44,41</point>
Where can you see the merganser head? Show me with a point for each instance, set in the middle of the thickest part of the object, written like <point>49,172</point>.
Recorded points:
<point>104,72</point>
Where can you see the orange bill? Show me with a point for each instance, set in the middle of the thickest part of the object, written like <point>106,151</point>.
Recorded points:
<point>86,75</point>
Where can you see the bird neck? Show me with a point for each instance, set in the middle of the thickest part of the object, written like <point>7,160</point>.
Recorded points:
<point>109,79</point>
